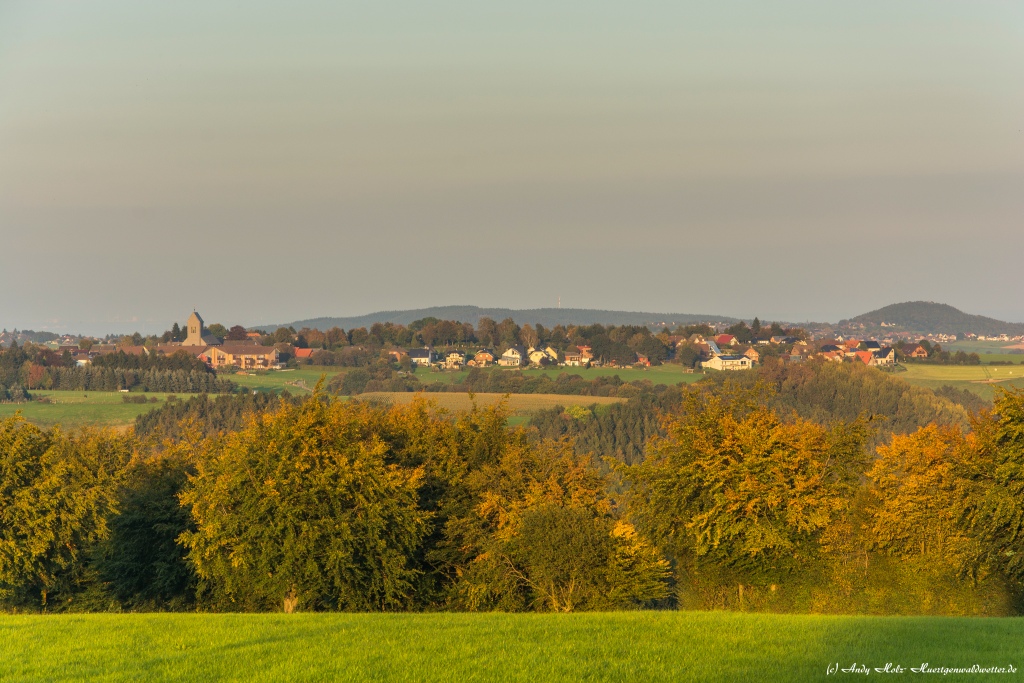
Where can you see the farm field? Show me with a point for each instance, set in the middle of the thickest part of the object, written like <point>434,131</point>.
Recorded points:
<point>520,404</point>
<point>78,408</point>
<point>983,348</point>
<point>621,646</point>
<point>660,374</point>
<point>980,379</point>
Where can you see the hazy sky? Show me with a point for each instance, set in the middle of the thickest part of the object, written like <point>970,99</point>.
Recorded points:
<point>264,162</point>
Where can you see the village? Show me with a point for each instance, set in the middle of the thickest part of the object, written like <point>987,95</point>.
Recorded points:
<point>254,350</point>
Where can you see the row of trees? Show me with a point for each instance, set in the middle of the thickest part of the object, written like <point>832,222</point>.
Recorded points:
<point>327,505</point>
<point>94,378</point>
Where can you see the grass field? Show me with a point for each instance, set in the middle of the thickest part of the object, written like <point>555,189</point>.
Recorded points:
<point>297,381</point>
<point>625,646</point>
<point>77,408</point>
<point>981,379</point>
<point>520,404</point>
<point>661,374</point>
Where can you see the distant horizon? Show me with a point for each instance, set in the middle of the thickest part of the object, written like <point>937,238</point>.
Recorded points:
<point>149,327</point>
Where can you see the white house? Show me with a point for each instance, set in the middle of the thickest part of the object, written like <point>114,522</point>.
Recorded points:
<point>728,363</point>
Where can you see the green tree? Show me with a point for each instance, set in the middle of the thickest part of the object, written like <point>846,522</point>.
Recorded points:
<point>301,510</point>
<point>56,494</point>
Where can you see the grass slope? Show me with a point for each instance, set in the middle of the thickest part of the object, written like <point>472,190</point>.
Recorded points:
<point>630,646</point>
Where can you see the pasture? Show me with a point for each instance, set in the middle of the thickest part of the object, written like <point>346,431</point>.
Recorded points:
<point>519,404</point>
<point>621,646</point>
<point>80,408</point>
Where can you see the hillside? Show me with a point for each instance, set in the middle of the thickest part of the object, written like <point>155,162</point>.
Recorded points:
<point>549,317</point>
<point>929,317</point>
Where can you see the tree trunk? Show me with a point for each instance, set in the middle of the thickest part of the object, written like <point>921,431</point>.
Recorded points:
<point>291,601</point>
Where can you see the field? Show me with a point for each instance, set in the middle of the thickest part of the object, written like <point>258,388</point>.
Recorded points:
<point>660,374</point>
<point>980,379</point>
<point>624,646</point>
<point>520,404</point>
<point>295,381</point>
<point>78,408</point>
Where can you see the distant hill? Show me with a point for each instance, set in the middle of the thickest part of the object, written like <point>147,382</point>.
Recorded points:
<point>929,317</point>
<point>549,317</point>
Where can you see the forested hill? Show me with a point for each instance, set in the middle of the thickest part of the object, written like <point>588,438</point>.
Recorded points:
<point>549,317</point>
<point>930,317</point>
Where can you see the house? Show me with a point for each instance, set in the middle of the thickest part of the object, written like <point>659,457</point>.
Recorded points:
<point>870,345</point>
<point>244,356</point>
<point>884,356</point>
<point>196,334</point>
<point>396,355</point>
<point>713,349</point>
<point>833,356</point>
<point>421,357</point>
<point>726,340</point>
<point>482,359</point>
<point>539,357</point>
<point>514,357</point>
<point>914,351</point>
<point>304,354</point>
<point>753,355</point>
<point>643,361</point>
<point>728,363</point>
<point>454,360</point>
<point>574,358</point>
<point>696,338</point>
<point>829,348</point>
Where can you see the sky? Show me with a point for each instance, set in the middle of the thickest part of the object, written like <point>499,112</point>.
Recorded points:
<point>267,162</point>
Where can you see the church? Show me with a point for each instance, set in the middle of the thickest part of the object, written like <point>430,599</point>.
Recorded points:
<point>197,334</point>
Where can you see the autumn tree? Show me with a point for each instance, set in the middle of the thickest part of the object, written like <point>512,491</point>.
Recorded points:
<point>737,494</point>
<point>542,535</point>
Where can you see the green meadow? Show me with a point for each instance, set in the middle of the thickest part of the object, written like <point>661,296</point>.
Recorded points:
<point>80,408</point>
<point>659,374</point>
<point>298,381</point>
<point>620,646</point>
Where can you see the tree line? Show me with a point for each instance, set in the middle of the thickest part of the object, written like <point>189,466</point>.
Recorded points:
<point>322,504</point>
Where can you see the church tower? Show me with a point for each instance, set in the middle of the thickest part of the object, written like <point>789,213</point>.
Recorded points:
<point>195,330</point>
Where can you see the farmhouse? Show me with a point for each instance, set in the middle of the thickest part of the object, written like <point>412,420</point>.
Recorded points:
<point>728,363</point>
<point>244,356</point>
